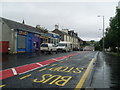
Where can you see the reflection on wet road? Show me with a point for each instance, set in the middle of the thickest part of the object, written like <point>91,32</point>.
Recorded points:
<point>67,73</point>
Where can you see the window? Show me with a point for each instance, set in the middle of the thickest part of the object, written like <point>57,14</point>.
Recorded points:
<point>44,45</point>
<point>62,44</point>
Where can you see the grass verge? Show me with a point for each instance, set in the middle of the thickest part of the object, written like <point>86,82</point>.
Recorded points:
<point>114,53</point>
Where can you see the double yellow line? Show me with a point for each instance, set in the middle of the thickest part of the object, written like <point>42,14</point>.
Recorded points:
<point>82,80</point>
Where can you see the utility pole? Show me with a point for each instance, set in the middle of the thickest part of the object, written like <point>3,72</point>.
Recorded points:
<point>103,33</point>
<point>103,41</point>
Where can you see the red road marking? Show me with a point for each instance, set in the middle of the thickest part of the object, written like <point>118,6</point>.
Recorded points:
<point>47,62</point>
<point>21,69</point>
<point>25,68</point>
<point>60,58</point>
<point>6,74</point>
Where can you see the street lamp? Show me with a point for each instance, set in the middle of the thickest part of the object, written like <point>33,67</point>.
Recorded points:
<point>103,30</point>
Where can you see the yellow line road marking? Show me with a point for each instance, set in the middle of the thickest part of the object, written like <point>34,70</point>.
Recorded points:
<point>53,64</point>
<point>25,76</point>
<point>82,80</point>
<point>2,86</point>
<point>82,68</point>
<point>43,69</point>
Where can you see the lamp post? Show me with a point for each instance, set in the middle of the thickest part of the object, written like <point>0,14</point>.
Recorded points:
<point>103,31</point>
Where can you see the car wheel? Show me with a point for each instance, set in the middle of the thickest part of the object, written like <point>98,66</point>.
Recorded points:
<point>56,52</point>
<point>51,51</point>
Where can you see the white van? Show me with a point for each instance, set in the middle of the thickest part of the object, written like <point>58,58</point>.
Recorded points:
<point>64,46</point>
<point>48,47</point>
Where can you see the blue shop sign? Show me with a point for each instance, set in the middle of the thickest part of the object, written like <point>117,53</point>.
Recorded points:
<point>55,36</point>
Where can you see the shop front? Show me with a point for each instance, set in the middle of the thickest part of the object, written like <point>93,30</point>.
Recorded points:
<point>43,38</point>
<point>53,38</point>
<point>36,43</point>
<point>21,41</point>
<point>28,42</point>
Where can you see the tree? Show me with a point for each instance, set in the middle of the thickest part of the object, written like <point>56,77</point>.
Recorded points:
<point>112,34</point>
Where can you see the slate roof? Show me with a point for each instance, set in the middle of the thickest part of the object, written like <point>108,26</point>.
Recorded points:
<point>66,33</point>
<point>16,25</point>
<point>60,31</point>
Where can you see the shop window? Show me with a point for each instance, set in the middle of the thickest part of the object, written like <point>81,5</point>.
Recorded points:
<point>21,42</point>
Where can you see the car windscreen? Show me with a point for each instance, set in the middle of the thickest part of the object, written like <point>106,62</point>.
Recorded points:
<point>44,45</point>
<point>62,44</point>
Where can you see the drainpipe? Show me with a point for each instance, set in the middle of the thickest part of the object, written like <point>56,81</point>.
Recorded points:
<point>14,41</point>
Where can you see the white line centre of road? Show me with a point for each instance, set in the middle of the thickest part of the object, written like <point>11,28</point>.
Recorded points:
<point>14,71</point>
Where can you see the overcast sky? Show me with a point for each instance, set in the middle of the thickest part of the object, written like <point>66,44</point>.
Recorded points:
<point>78,16</point>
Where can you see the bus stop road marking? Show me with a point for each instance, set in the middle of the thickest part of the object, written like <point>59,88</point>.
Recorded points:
<point>53,64</point>
<point>29,67</point>
<point>42,69</point>
<point>25,76</point>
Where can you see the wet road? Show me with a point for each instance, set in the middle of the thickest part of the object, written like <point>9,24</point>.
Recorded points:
<point>79,71</point>
<point>66,73</point>
<point>14,60</point>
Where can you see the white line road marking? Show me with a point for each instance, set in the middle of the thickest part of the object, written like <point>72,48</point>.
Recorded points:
<point>33,69</point>
<point>40,64</point>
<point>14,71</point>
<point>29,70</point>
<point>54,59</point>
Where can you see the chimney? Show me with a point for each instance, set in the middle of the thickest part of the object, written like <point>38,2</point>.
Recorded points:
<point>23,22</point>
<point>38,26</point>
<point>56,26</point>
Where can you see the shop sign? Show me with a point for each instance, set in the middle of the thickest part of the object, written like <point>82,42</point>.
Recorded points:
<point>22,32</point>
<point>36,35</point>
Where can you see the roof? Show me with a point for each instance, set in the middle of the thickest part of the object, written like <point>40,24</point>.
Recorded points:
<point>59,31</point>
<point>63,32</point>
<point>66,33</point>
<point>16,25</point>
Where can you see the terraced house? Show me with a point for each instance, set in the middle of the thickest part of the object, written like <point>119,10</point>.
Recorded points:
<point>69,36</point>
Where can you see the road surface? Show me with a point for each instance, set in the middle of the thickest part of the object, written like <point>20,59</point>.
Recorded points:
<point>73,70</point>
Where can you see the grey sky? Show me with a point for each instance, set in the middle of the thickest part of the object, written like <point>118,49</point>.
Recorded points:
<point>78,16</point>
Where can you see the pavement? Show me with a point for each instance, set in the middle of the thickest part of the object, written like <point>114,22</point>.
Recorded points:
<point>107,72</point>
<point>73,70</point>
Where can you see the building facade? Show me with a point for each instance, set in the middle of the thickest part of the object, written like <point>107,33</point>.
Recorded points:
<point>69,36</point>
<point>62,34</point>
<point>18,37</point>
<point>53,38</point>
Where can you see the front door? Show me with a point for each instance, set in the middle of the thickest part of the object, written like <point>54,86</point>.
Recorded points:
<point>29,44</point>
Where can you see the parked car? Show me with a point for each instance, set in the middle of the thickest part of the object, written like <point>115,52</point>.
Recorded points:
<point>76,49</point>
<point>81,49</point>
<point>64,46</point>
<point>48,47</point>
